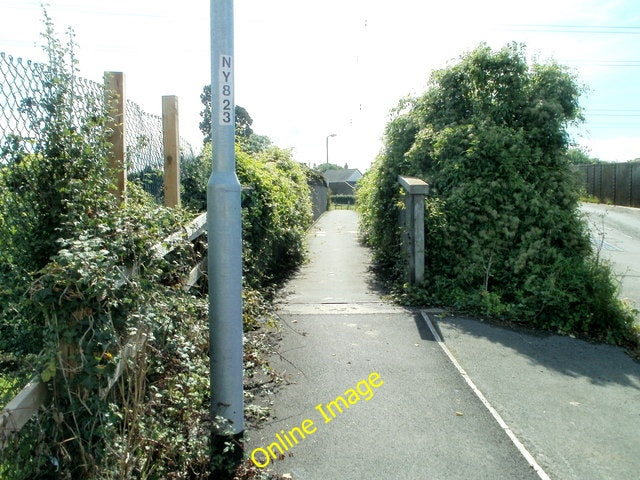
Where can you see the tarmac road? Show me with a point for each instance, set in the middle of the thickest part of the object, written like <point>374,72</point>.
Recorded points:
<point>615,231</point>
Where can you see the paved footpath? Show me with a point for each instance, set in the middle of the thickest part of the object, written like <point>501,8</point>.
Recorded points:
<point>572,409</point>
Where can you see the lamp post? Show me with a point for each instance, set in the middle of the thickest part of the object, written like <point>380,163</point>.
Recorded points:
<point>224,224</point>
<point>328,137</point>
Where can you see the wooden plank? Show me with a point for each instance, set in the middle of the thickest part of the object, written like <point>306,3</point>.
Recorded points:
<point>192,231</point>
<point>197,227</point>
<point>622,179</point>
<point>195,274</point>
<point>19,410</point>
<point>116,107</point>
<point>635,185</point>
<point>135,343</point>
<point>171,144</point>
<point>608,192</point>
<point>591,180</point>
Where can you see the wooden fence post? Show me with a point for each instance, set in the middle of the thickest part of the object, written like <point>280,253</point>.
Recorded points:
<point>116,106</point>
<point>171,144</point>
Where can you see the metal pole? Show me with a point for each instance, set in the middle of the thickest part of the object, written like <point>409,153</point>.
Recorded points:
<point>328,137</point>
<point>224,223</point>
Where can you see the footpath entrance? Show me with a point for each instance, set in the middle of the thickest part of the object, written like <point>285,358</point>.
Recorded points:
<point>370,393</point>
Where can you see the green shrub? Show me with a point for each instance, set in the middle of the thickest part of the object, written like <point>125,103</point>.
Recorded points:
<point>64,243</point>
<point>153,422</point>
<point>66,302</point>
<point>276,209</point>
<point>50,182</point>
<point>502,231</point>
<point>343,199</point>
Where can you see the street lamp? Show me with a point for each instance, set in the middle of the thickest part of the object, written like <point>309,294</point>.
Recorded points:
<point>328,137</point>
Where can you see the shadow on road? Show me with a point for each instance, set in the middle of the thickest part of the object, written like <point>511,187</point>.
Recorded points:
<point>600,364</point>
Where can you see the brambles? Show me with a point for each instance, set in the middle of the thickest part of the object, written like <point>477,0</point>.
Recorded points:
<point>125,357</point>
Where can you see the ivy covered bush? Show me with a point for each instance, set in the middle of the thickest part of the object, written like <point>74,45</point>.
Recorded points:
<point>88,306</point>
<point>503,233</point>
<point>276,209</point>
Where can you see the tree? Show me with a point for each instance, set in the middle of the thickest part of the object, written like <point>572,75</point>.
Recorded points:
<point>243,122</point>
<point>503,234</point>
<point>323,167</point>
<point>248,140</point>
<point>205,123</point>
<point>575,156</point>
<point>254,143</point>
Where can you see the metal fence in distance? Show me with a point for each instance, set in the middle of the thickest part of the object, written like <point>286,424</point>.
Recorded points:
<point>613,183</point>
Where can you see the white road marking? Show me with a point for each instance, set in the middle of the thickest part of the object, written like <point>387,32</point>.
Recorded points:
<point>521,448</point>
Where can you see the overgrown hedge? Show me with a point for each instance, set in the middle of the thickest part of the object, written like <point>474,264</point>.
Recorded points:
<point>343,199</point>
<point>276,209</point>
<point>503,234</point>
<point>66,312</point>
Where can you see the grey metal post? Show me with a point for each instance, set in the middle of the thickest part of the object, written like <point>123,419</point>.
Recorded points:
<point>224,225</point>
<point>327,144</point>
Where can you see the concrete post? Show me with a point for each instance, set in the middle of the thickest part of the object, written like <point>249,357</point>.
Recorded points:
<point>415,192</point>
<point>409,225</point>
<point>418,237</point>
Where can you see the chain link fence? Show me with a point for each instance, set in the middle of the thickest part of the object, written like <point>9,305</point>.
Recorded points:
<point>143,137</point>
<point>19,82</point>
<point>24,99</point>
<point>23,87</point>
<point>23,93</point>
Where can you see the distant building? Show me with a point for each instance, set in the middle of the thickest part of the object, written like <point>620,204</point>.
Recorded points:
<point>343,181</point>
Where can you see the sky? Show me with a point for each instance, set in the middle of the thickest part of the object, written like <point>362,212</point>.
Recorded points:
<point>305,70</point>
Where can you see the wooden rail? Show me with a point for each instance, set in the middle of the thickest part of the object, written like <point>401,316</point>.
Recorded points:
<point>19,410</point>
<point>25,404</point>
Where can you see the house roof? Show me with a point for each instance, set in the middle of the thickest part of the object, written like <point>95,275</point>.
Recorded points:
<point>342,175</point>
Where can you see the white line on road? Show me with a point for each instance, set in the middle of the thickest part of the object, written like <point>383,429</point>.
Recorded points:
<point>521,448</point>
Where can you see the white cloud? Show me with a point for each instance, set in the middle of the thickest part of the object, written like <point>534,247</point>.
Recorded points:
<point>618,149</point>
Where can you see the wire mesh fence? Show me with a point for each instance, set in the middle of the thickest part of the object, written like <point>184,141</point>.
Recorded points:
<point>143,136</point>
<point>14,374</point>
<point>18,86</point>
<point>25,96</point>
<point>23,89</point>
